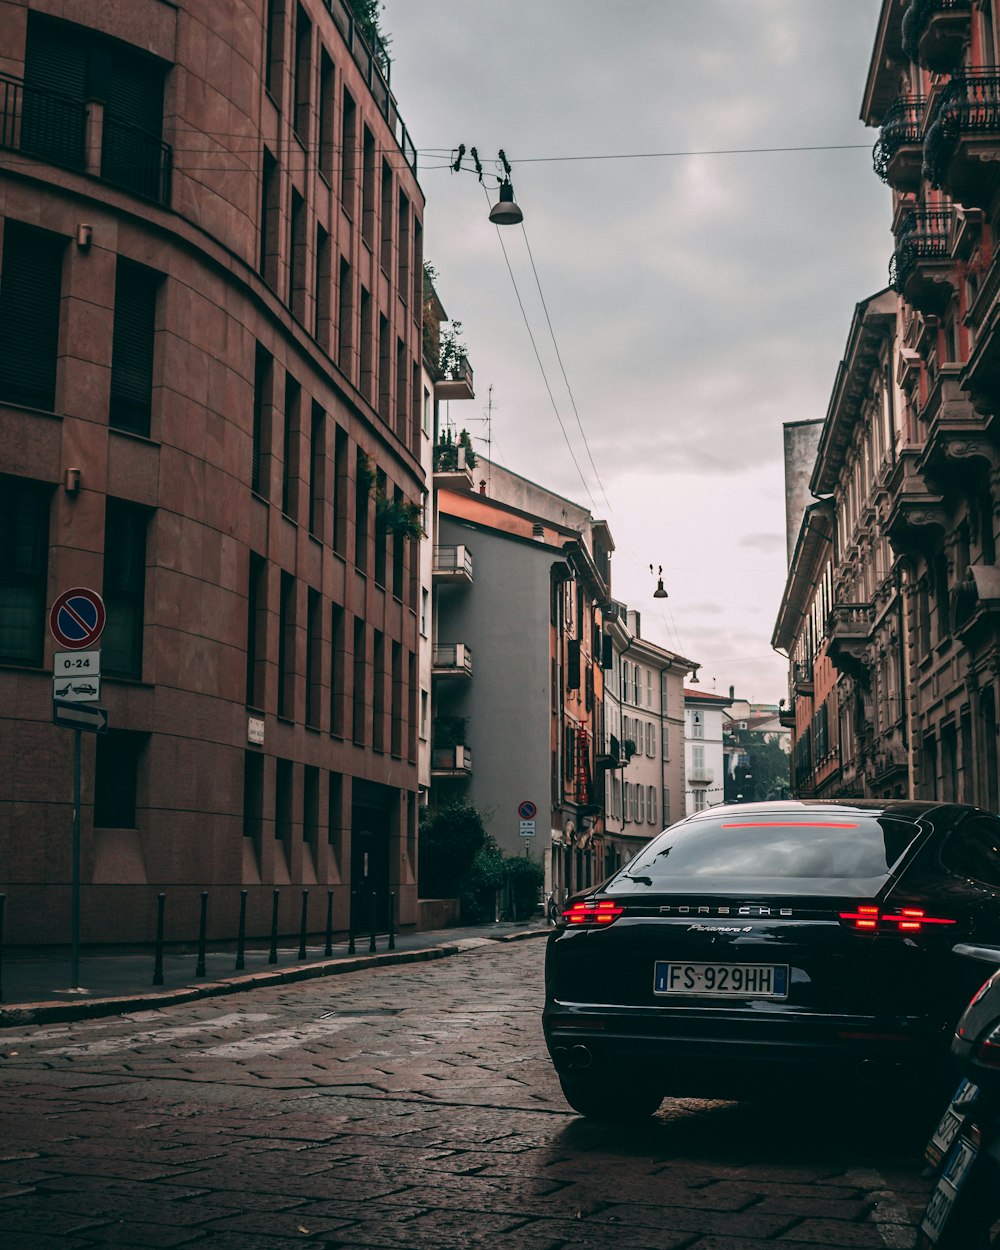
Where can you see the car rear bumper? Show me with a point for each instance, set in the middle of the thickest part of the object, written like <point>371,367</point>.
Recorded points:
<point>706,1053</point>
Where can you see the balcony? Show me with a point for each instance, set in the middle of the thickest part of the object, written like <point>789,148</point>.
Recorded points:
<point>452,470</point>
<point>58,129</point>
<point>922,269</point>
<point>452,661</point>
<point>452,564</point>
<point>936,32</point>
<point>457,383</point>
<point>960,148</point>
<point>898,155</point>
<point>701,776</point>
<point>848,628</point>
<point>802,678</point>
<point>957,443</point>
<point>917,515</point>
<point>453,761</point>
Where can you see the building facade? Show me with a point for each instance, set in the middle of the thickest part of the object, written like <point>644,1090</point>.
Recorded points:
<point>518,676</point>
<point>210,413</point>
<point>907,611</point>
<point>643,750</point>
<point>704,749</point>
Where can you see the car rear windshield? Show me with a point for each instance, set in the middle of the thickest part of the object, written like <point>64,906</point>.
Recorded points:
<point>775,846</point>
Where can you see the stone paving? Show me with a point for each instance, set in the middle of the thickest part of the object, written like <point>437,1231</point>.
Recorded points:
<point>401,1108</point>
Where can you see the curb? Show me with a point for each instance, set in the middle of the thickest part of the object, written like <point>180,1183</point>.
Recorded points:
<point>94,1008</point>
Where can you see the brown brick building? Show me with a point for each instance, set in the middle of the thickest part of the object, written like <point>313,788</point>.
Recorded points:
<point>210,351</point>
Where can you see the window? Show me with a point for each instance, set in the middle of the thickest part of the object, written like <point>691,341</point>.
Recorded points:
<point>378,692</point>
<point>700,800</point>
<point>396,701</point>
<point>314,663</point>
<point>302,72</point>
<point>345,321</point>
<point>324,278</point>
<point>337,670</point>
<point>310,806</point>
<point>317,471</point>
<point>124,587</point>
<point>116,778</point>
<point>326,98</point>
<point>299,256</point>
<point>273,49</point>
<point>292,444</point>
<point>283,783</point>
<point>403,258</point>
<point>132,348</point>
<point>651,805</point>
<point>286,646</point>
<point>30,293</point>
<point>425,600</point>
<point>24,543</point>
<point>698,761</point>
<point>385,252</point>
<point>256,629</point>
<point>349,154</point>
<point>640,804</point>
<point>384,369</point>
<point>263,386</point>
<point>650,740</point>
<point>360,682</point>
<point>697,725</point>
<point>65,65</point>
<point>270,192</point>
<point>368,187</point>
<point>973,850</point>
<point>367,346</point>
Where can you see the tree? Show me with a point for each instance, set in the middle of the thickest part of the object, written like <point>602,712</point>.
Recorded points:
<point>368,18</point>
<point>766,775</point>
<point>450,839</point>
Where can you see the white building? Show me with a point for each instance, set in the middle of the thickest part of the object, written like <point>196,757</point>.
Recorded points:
<point>704,715</point>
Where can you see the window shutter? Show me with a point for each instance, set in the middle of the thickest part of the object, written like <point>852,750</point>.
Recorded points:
<point>132,348</point>
<point>607,652</point>
<point>30,291</point>
<point>573,665</point>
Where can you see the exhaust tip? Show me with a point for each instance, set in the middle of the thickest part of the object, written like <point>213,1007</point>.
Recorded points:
<point>580,1057</point>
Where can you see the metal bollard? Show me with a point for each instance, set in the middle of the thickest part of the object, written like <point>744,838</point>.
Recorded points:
<point>351,900</point>
<point>3,900</point>
<point>272,957</point>
<point>241,941</point>
<point>302,924</point>
<point>371,943</point>
<point>199,970</point>
<point>328,948</point>
<point>392,922</point>
<point>158,963</point>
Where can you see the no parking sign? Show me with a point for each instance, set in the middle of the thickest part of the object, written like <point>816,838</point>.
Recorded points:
<point>76,619</point>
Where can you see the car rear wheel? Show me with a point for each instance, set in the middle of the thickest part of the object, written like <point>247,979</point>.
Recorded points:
<point>612,1104</point>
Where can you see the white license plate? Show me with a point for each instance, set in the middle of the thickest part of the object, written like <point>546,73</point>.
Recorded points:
<point>943,1198</point>
<point>721,980</point>
<point>952,1120</point>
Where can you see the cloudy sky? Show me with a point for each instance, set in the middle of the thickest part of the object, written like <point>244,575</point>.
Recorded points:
<point>666,307</point>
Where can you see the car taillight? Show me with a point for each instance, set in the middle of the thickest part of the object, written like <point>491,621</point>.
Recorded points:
<point>988,1049</point>
<point>867,918</point>
<point>589,913</point>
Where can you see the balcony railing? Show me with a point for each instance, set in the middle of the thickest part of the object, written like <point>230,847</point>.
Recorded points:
<point>54,128</point>
<point>372,59</point>
<point>934,32</point>
<point>457,383</point>
<point>456,760</point>
<point>969,108</point>
<point>455,660</point>
<point>452,564</point>
<point>902,132</point>
<point>924,236</point>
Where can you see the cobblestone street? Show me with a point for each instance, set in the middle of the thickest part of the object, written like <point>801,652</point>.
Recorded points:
<point>405,1107</point>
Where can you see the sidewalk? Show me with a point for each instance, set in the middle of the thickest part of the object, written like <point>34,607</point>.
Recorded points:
<point>36,988</point>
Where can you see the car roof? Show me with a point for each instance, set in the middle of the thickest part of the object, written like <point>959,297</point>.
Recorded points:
<point>901,809</point>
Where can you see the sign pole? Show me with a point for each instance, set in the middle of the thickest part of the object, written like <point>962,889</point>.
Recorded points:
<point>74,951</point>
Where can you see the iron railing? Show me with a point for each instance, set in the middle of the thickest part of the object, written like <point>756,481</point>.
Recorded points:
<point>969,105</point>
<point>901,126</point>
<point>917,16</point>
<point>923,235</point>
<point>53,127</point>
<point>372,59</point>
<point>452,559</point>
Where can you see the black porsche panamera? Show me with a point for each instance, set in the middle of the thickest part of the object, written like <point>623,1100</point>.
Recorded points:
<point>753,947</point>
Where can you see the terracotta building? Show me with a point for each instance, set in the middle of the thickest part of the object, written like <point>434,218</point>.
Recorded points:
<point>908,605</point>
<point>210,413</point>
